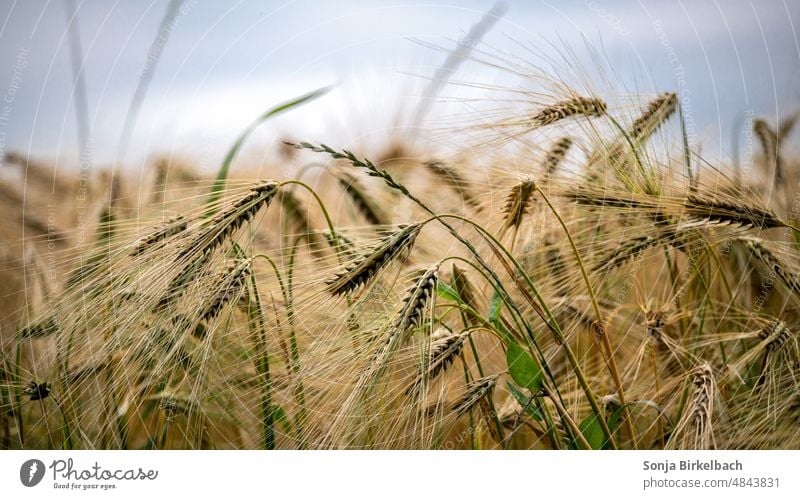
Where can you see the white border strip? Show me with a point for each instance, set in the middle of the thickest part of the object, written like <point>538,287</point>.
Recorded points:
<point>406,474</point>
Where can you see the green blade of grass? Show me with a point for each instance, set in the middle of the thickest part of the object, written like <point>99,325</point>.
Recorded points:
<point>522,368</point>
<point>222,174</point>
<point>591,430</point>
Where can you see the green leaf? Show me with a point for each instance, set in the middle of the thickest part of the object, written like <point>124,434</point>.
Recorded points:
<point>495,306</point>
<point>592,432</point>
<point>280,417</point>
<point>447,292</point>
<point>525,402</point>
<point>222,174</point>
<point>523,368</point>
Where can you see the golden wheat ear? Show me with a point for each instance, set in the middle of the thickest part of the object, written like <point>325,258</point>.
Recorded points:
<point>368,209</point>
<point>297,215</point>
<point>777,333</point>
<point>364,268</point>
<point>577,106</point>
<point>657,112</point>
<point>466,291</point>
<point>452,178</point>
<point>473,394</point>
<point>695,429</point>
<point>771,261</point>
<point>159,234</point>
<point>517,203</point>
<point>444,348</point>
<point>230,219</point>
<point>417,298</point>
<point>229,287</point>
<point>555,155</point>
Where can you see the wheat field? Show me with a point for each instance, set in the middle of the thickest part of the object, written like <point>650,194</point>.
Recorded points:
<point>573,277</point>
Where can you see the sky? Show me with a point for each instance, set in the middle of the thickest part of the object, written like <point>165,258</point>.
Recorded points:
<point>225,63</point>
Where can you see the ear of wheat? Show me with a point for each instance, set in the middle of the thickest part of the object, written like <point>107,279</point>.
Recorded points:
<point>592,197</point>
<point>473,394</point>
<point>577,106</point>
<point>695,429</point>
<point>658,111</point>
<point>164,231</point>
<point>416,299</point>
<point>445,347</point>
<point>38,329</point>
<point>626,251</point>
<point>227,221</point>
<point>730,212</point>
<point>555,155</point>
<point>777,333</point>
<point>178,284</point>
<point>453,178</point>
<point>357,194</point>
<point>344,244</point>
<point>226,290</point>
<point>364,268</point>
<point>410,315</point>
<point>634,247</point>
<point>773,263</point>
<point>295,212</point>
<point>467,293</point>
<point>517,203</point>
<point>774,336</point>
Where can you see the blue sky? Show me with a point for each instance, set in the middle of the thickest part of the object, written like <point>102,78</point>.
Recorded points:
<point>226,62</point>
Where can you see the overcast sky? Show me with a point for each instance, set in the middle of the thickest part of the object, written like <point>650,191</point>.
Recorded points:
<point>226,62</point>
